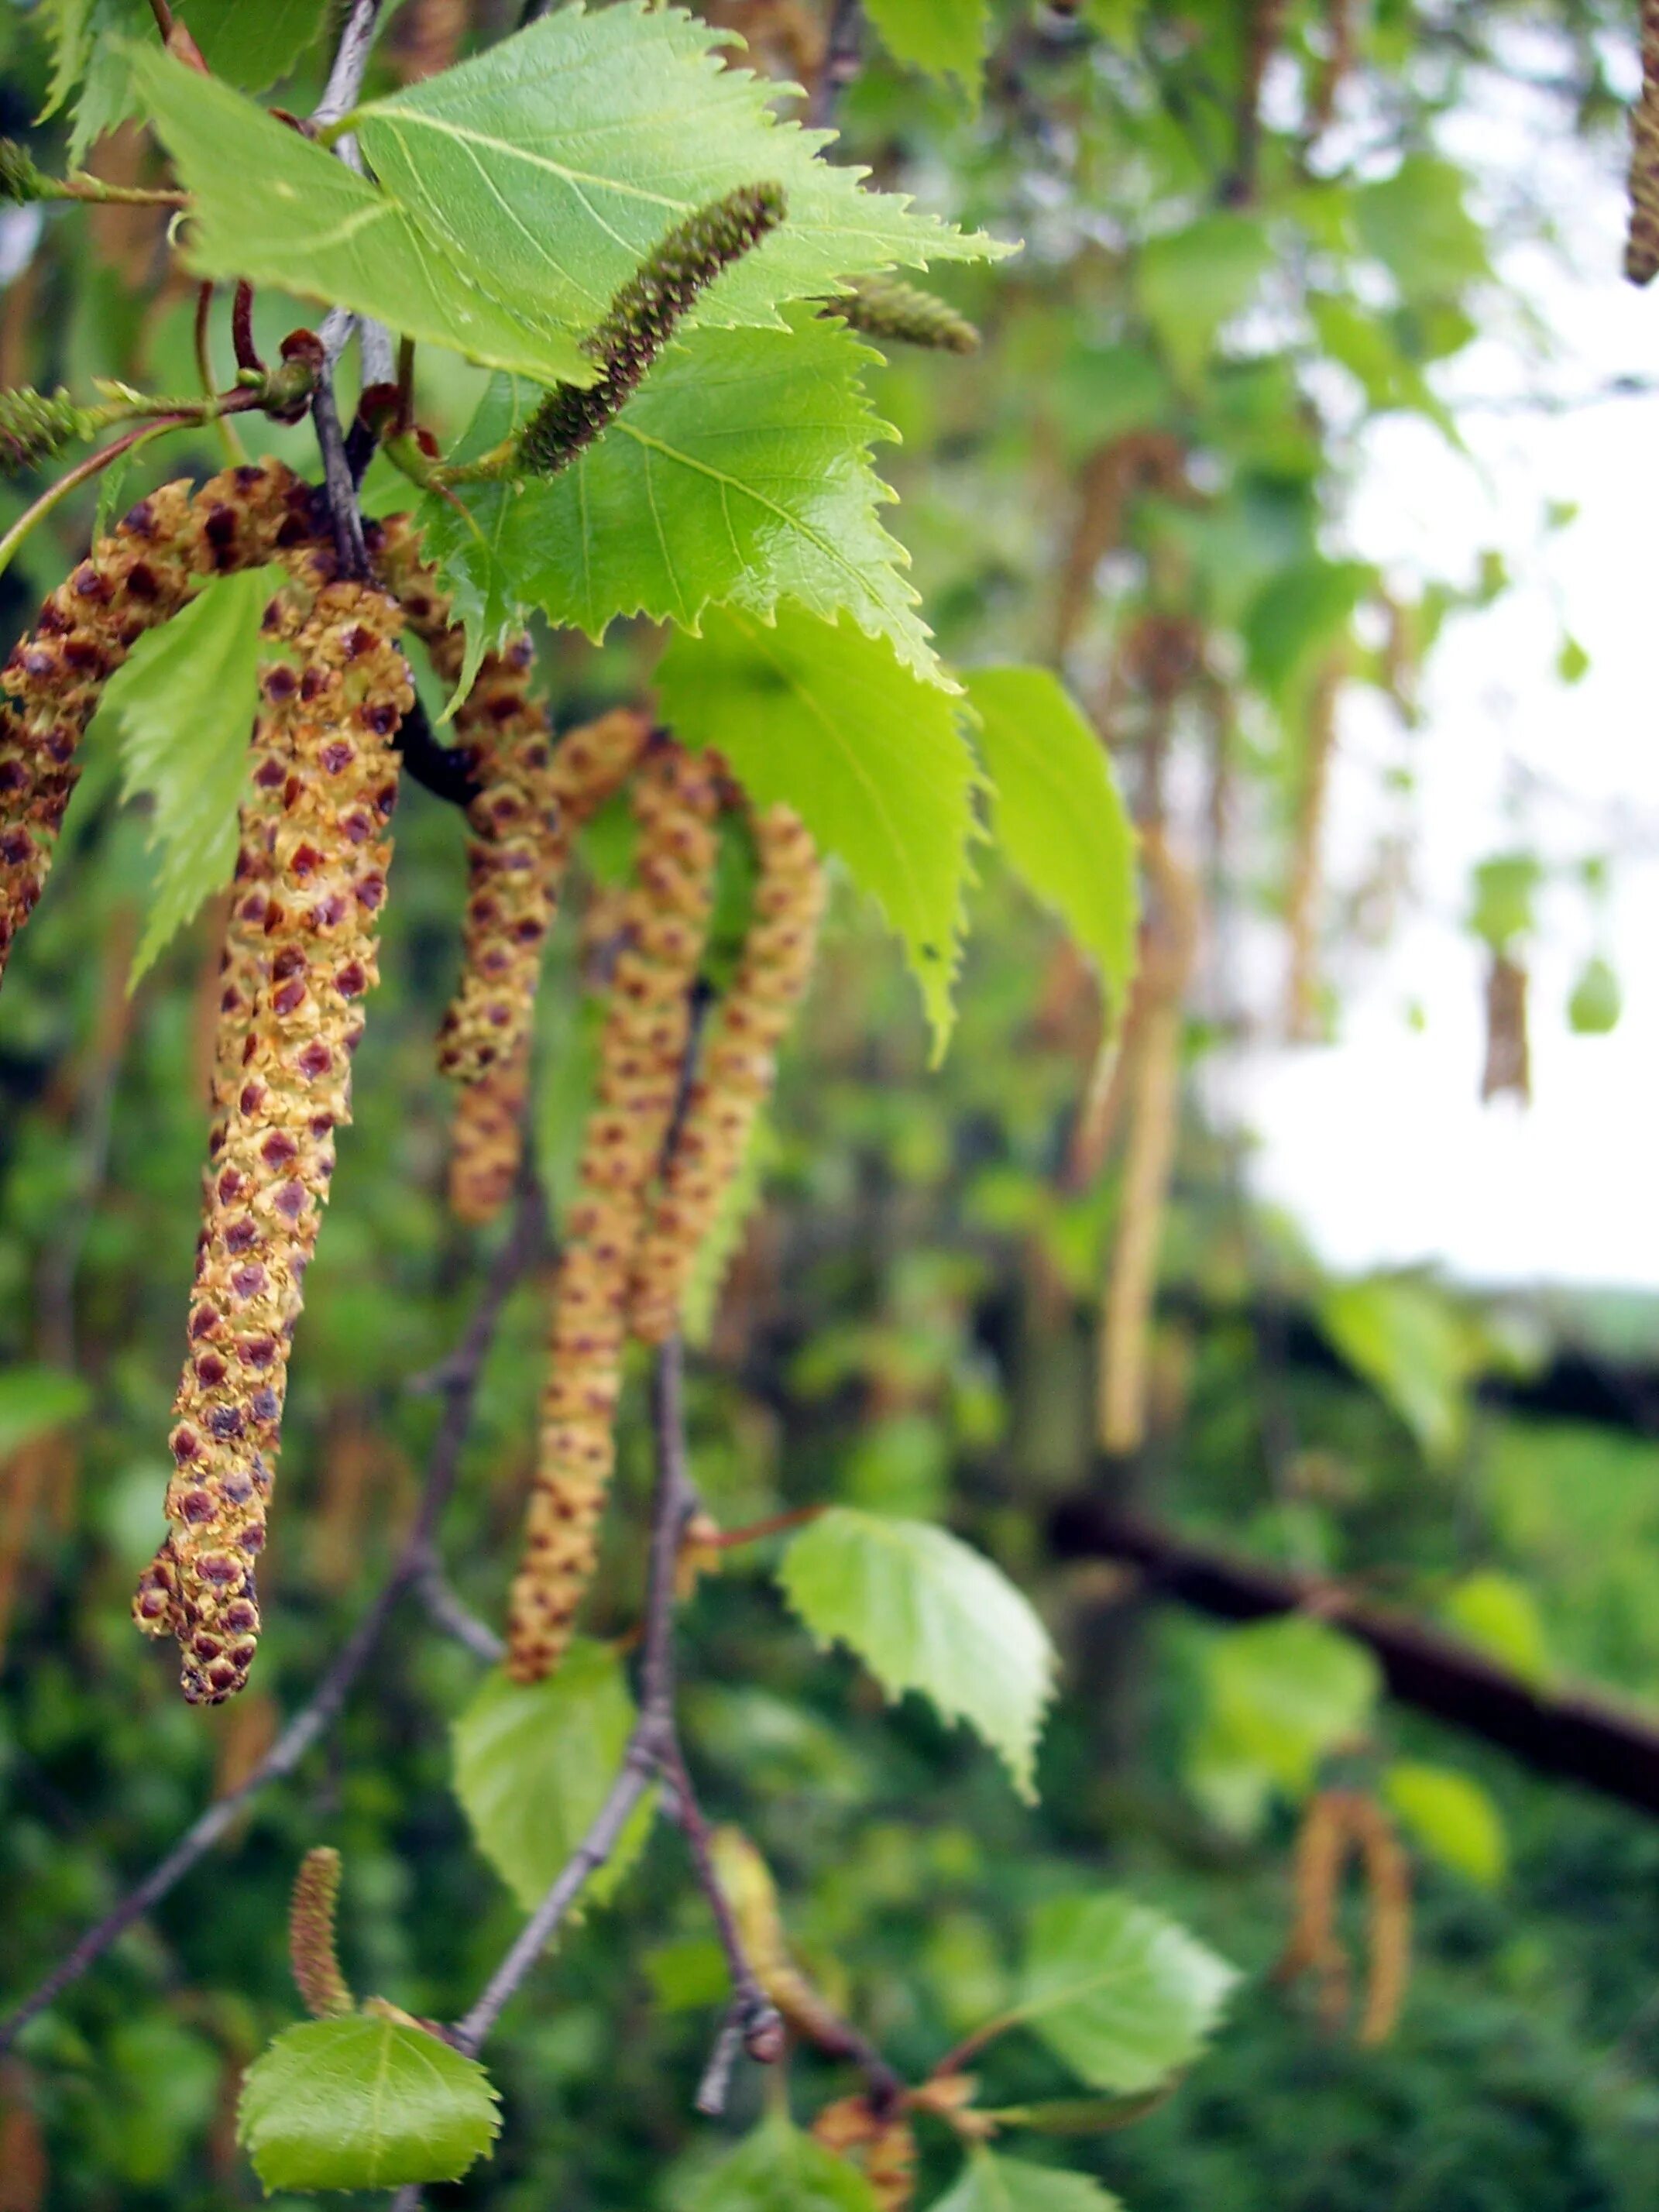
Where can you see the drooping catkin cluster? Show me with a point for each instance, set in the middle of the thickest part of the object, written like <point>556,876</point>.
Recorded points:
<point>1338,1825</point>
<point>647,1027</point>
<point>139,576</point>
<point>326,729</point>
<point>1642,242</point>
<point>737,1073</point>
<point>310,1951</point>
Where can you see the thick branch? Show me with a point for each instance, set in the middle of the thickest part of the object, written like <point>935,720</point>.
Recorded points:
<point>514,1260</point>
<point>1581,1739</point>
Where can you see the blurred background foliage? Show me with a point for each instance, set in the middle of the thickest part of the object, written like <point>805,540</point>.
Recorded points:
<point>1142,477</point>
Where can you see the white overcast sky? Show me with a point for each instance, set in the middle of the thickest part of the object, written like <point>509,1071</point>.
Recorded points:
<point>1376,1143</point>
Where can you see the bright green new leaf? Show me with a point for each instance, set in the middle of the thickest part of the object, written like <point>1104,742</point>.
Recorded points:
<point>829,721</point>
<point>1059,815</point>
<point>363,2102</point>
<point>248,46</point>
<point>991,2184</point>
<point>1119,1992</point>
<point>1285,1693</point>
<point>551,166</point>
<point>1505,906</point>
<point>182,707</point>
<point>1501,1615</point>
<point>534,1762</point>
<point>1450,1816</point>
<point>1413,1345</point>
<point>946,37</point>
<point>270,206</point>
<point>739,475</point>
<point>778,2169</point>
<point>1416,224</point>
<point>1596,1002</point>
<point>1296,617</point>
<point>1193,280</point>
<point>924,1612</point>
<point>35,1401</point>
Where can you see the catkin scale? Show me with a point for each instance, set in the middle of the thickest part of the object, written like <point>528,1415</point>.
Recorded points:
<point>136,577</point>
<point>647,1026</point>
<point>331,723</point>
<point>737,1073</point>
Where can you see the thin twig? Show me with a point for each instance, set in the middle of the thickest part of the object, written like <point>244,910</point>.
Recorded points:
<point>345,79</point>
<point>456,1618</point>
<point>517,1256</point>
<point>843,58</point>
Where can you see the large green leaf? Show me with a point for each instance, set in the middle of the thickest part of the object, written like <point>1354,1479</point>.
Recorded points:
<point>1059,815</point>
<point>1282,1694</point>
<point>991,2184</point>
<point>947,38</point>
<point>182,707</point>
<point>1450,1816</point>
<point>249,46</point>
<point>535,1761</point>
<point>1415,1347</point>
<point>1122,1995</point>
<point>551,165</point>
<point>926,1613</point>
<point>35,1401</point>
<point>270,206</point>
<point>1193,280</point>
<point>778,2169</point>
<point>363,2102</point>
<point>829,721</point>
<point>740,474</point>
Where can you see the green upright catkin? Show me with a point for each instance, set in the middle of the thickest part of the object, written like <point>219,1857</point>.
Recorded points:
<point>136,577</point>
<point>35,425</point>
<point>328,728</point>
<point>1642,243</point>
<point>887,307</point>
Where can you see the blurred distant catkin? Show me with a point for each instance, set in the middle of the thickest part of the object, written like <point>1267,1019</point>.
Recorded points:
<point>310,1951</point>
<point>643,1052</point>
<point>327,729</point>
<point>1642,242</point>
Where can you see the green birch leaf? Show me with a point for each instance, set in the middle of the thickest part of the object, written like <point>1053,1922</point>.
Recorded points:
<point>1285,1693</point>
<point>535,1761</point>
<point>363,2102</point>
<point>992,2184</point>
<point>926,1613</point>
<point>270,206</point>
<point>1500,1614</point>
<point>1449,1816</point>
<point>551,165</point>
<point>1412,1344</point>
<point>35,1401</point>
<point>1058,815</point>
<point>1120,1993</point>
<point>1415,222</point>
<point>181,709</point>
<point>823,718</point>
<point>779,2169</point>
<point>1193,280</point>
<point>471,539</point>
<point>946,38</point>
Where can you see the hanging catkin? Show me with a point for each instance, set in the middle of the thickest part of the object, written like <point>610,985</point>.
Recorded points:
<point>329,723</point>
<point>486,1140</point>
<point>647,1028</point>
<point>737,1069</point>
<point>1642,242</point>
<point>1337,1825</point>
<point>1302,1008</point>
<point>311,1949</point>
<point>139,576</point>
<point>1509,1054</point>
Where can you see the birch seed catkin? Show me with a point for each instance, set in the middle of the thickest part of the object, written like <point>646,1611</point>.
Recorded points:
<point>328,724</point>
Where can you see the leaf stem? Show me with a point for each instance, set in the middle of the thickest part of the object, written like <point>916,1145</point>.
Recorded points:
<point>84,472</point>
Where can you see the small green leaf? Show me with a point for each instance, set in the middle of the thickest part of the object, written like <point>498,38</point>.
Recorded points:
<point>1450,1816</point>
<point>823,718</point>
<point>924,1612</point>
<point>363,2102</point>
<point>1119,1992</point>
<point>270,206</point>
<point>1506,890</point>
<point>1285,1693</point>
<point>1501,1615</point>
<point>1596,1002</point>
<point>1059,814</point>
<point>778,2169</point>
<point>1571,662</point>
<point>181,707</point>
<point>535,1761</point>
<point>35,1401</point>
<point>1413,1345</point>
<point>1296,617</point>
<point>992,2184</point>
<point>1415,222</point>
<point>946,38</point>
<point>1193,280</point>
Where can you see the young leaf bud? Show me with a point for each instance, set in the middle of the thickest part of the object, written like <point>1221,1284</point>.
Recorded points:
<point>35,425</point>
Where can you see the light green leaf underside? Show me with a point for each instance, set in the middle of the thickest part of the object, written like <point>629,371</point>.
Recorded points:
<point>926,1613</point>
<point>274,208</point>
<point>947,38</point>
<point>991,2184</point>
<point>823,718</point>
<point>363,2102</point>
<point>533,1764</point>
<point>778,2169</point>
<point>551,165</point>
<point>1059,815</point>
<point>181,708</point>
<point>1120,1993</point>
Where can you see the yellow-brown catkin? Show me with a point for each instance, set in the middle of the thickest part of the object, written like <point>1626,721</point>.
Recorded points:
<point>1642,243</point>
<point>1339,1823</point>
<point>327,731</point>
<point>1302,1010</point>
<point>1388,1878</point>
<point>750,1890</point>
<point>486,1139</point>
<point>647,1027</point>
<point>136,578</point>
<point>737,1072</point>
<point>1508,1052</point>
<point>316,1974</point>
<point>883,2145</point>
<point>1314,1946</point>
<point>1336,65</point>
